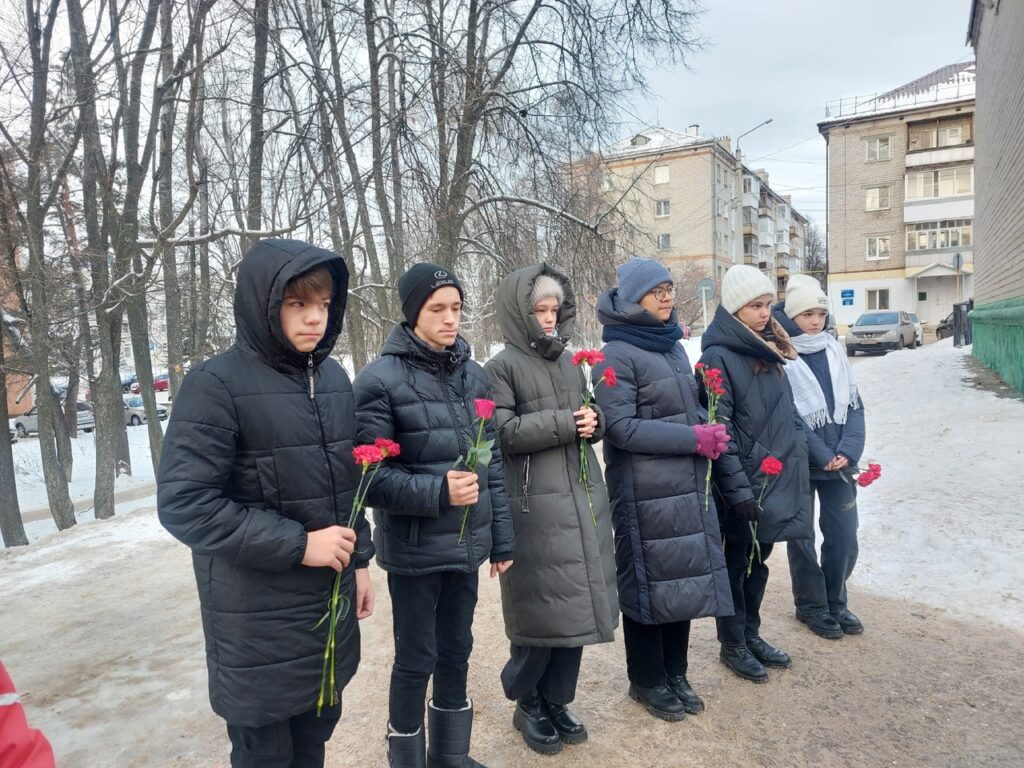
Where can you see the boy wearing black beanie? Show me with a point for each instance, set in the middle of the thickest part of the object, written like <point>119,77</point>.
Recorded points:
<point>422,393</point>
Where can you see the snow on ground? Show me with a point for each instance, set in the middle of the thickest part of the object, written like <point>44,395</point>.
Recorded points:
<point>28,468</point>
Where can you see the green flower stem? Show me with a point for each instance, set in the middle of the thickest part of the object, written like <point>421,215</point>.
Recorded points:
<point>471,466</point>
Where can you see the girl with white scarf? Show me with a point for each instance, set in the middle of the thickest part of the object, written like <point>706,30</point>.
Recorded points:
<point>826,397</point>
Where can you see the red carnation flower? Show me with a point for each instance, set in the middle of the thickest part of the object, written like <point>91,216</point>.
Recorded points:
<point>609,377</point>
<point>367,455</point>
<point>699,367</point>
<point>771,466</point>
<point>388,448</point>
<point>484,408</point>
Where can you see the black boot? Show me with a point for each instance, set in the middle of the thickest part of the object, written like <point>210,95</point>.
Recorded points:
<point>450,730</point>
<point>681,688</point>
<point>767,654</point>
<point>737,657</point>
<point>822,624</point>
<point>406,750</point>
<point>659,701</point>
<point>532,721</point>
<point>849,623</point>
<point>570,729</point>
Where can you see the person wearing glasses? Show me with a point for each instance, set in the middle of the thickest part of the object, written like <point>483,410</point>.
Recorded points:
<point>668,549</point>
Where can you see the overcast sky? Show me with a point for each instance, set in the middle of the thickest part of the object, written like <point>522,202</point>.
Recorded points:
<point>784,60</point>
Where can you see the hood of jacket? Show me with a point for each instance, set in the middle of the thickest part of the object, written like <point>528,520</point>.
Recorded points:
<point>612,310</point>
<point>402,341</point>
<point>726,330</point>
<point>515,312</point>
<point>262,276</point>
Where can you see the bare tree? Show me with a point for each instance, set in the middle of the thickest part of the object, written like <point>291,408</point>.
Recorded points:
<point>816,255</point>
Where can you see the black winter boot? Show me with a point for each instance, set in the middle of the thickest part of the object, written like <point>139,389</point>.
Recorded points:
<point>822,624</point>
<point>767,654</point>
<point>532,721</point>
<point>406,750</point>
<point>681,688</point>
<point>659,701</point>
<point>570,729</point>
<point>450,730</point>
<point>737,657</point>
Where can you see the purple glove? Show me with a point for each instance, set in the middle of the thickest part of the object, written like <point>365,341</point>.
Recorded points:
<point>712,440</point>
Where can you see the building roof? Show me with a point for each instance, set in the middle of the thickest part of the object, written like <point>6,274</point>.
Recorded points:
<point>655,140</point>
<point>946,85</point>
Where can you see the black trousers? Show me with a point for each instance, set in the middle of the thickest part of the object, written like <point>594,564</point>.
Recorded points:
<point>655,652</point>
<point>747,592</point>
<point>817,588</point>
<point>298,742</point>
<point>550,672</point>
<point>433,621</point>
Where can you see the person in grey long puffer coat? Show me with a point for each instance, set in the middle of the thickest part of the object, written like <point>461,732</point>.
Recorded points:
<point>750,350</point>
<point>668,548</point>
<point>561,594</point>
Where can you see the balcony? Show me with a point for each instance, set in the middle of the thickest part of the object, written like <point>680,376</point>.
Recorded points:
<point>937,208</point>
<point>782,270</point>
<point>940,155</point>
<point>750,230</point>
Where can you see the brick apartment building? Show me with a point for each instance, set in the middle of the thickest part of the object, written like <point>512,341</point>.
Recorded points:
<point>901,197</point>
<point>996,30</point>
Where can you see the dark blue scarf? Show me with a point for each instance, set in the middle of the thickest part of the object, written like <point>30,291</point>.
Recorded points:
<point>653,338</point>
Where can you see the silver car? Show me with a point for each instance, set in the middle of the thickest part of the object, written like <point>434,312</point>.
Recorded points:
<point>881,331</point>
<point>28,423</point>
<point>135,411</point>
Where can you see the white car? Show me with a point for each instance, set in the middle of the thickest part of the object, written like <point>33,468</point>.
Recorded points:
<point>135,411</point>
<point>918,329</point>
<point>28,423</point>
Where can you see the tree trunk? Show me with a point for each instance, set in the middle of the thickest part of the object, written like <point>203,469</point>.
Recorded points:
<point>257,105</point>
<point>11,527</point>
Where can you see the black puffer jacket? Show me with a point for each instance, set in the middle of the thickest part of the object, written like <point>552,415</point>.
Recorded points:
<point>423,399</point>
<point>257,453</point>
<point>668,548</point>
<point>757,409</point>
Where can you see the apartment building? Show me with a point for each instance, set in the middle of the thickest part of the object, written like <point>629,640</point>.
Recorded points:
<point>901,197</point>
<point>996,30</point>
<point>689,202</point>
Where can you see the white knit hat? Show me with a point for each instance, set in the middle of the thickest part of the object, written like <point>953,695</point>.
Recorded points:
<point>803,292</point>
<point>546,287</point>
<point>743,284</point>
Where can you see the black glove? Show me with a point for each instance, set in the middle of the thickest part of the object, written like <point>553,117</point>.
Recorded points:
<point>749,511</point>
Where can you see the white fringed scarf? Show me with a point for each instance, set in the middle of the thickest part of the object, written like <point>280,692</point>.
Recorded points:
<point>807,392</point>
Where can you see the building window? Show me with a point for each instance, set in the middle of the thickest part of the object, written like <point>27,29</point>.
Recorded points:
<point>876,198</point>
<point>879,148</point>
<point>945,182</point>
<point>878,299</point>
<point>748,186</point>
<point>878,248</point>
<point>932,235</point>
<point>950,136</point>
<point>780,213</point>
<point>664,242</point>
<point>661,174</point>
<point>661,207</point>
<point>922,295</point>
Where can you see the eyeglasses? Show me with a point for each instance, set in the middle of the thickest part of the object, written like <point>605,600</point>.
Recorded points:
<point>663,291</point>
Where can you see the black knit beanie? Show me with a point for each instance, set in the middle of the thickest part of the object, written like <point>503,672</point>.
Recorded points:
<point>418,282</point>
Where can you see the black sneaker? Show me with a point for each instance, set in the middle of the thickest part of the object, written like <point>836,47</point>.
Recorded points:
<point>659,701</point>
<point>738,658</point>
<point>822,624</point>
<point>849,623</point>
<point>767,654</point>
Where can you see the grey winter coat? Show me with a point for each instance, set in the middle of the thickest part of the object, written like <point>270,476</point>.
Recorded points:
<point>423,399</point>
<point>668,548</point>
<point>561,591</point>
<point>258,453</point>
<point>758,411</point>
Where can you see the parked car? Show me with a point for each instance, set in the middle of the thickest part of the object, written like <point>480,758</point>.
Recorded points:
<point>135,412</point>
<point>918,329</point>
<point>945,327</point>
<point>28,423</point>
<point>880,331</point>
<point>161,382</point>
<point>127,379</point>
<point>830,326</point>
